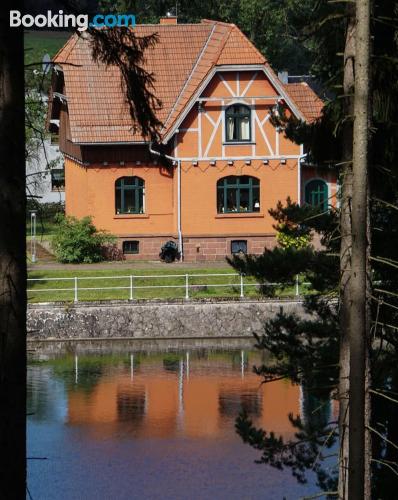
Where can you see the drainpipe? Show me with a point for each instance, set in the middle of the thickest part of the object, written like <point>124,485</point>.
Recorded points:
<point>301,156</point>
<point>179,209</point>
<point>174,159</point>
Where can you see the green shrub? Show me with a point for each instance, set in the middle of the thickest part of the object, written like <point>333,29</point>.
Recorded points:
<point>287,239</point>
<point>78,240</point>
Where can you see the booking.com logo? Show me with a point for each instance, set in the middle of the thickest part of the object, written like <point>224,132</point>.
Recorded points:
<point>61,20</point>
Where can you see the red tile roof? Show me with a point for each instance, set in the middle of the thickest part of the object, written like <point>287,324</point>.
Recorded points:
<point>180,61</point>
<point>305,99</point>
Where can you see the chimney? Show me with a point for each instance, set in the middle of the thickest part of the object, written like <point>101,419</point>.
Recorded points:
<point>283,76</point>
<point>169,19</point>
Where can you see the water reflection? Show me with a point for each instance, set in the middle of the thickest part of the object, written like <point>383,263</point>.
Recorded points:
<point>186,399</point>
<point>177,393</point>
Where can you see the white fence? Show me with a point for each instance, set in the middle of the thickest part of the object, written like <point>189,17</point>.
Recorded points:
<point>77,284</point>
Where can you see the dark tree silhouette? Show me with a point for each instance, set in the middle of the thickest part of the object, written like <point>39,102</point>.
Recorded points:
<point>12,259</point>
<point>118,47</point>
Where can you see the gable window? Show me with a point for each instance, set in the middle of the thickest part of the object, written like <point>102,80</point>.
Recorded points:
<point>238,194</point>
<point>316,194</point>
<point>129,195</point>
<point>237,123</point>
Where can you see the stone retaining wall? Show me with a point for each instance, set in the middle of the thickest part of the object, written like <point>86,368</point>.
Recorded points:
<point>154,320</point>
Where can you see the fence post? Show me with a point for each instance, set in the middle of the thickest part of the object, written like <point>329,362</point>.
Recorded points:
<point>76,289</point>
<point>186,286</point>
<point>131,288</point>
<point>297,286</point>
<point>241,287</point>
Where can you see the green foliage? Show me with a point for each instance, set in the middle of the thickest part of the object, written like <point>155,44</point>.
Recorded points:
<point>37,44</point>
<point>78,241</point>
<point>282,264</point>
<point>270,24</point>
<point>47,211</point>
<point>171,362</point>
<point>35,119</point>
<point>291,233</point>
<point>288,241</point>
<point>296,224</point>
<point>306,451</point>
<point>305,350</point>
<point>45,218</point>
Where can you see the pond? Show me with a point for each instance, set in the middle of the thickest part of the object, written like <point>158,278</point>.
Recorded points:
<point>131,420</point>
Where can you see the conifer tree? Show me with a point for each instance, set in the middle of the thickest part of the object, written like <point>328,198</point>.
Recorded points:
<point>329,142</point>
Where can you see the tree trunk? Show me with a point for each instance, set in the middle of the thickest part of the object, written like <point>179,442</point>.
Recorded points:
<point>358,326</point>
<point>12,260</point>
<point>345,252</point>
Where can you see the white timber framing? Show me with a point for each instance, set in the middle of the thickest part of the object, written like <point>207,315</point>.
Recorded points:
<point>242,68</point>
<point>238,95</point>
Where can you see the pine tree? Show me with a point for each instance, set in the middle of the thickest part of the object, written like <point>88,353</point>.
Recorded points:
<point>330,142</point>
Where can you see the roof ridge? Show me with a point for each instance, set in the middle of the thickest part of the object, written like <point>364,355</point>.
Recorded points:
<point>221,23</point>
<point>170,25</point>
<point>189,76</point>
<point>247,40</point>
<point>223,43</point>
<point>67,45</point>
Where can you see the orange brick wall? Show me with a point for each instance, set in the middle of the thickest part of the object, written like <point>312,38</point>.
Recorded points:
<point>91,191</point>
<point>199,195</point>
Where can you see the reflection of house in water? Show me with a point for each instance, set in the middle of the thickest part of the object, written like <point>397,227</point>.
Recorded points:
<point>130,403</point>
<point>199,402</point>
<point>317,410</point>
<point>231,403</point>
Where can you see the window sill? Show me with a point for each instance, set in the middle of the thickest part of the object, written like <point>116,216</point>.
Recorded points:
<point>131,216</point>
<point>244,215</point>
<point>238,143</point>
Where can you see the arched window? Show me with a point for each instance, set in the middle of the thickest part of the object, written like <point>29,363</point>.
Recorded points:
<point>316,194</point>
<point>237,123</point>
<point>238,194</point>
<point>129,195</point>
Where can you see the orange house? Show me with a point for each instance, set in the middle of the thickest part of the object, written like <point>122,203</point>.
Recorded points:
<point>224,164</point>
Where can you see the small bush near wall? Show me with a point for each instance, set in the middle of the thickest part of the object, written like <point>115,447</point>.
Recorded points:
<point>112,252</point>
<point>78,241</point>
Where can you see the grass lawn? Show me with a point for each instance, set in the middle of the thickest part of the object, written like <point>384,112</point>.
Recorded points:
<point>90,280</point>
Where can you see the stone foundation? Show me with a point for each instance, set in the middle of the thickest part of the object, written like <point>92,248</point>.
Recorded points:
<point>149,246</point>
<point>155,320</point>
<point>198,248</point>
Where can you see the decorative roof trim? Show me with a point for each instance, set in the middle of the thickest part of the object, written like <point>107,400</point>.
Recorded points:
<point>234,67</point>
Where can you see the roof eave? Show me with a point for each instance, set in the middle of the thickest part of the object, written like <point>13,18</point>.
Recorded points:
<point>114,143</point>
